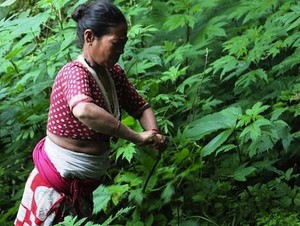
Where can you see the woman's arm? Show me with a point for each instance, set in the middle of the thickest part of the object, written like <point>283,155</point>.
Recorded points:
<point>101,121</point>
<point>148,120</point>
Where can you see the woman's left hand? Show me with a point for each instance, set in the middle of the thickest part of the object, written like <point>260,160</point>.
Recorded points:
<point>160,142</point>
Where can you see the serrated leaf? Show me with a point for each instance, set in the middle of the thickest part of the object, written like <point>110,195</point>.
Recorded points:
<point>252,77</point>
<point>252,130</point>
<point>29,25</point>
<point>260,145</point>
<point>276,113</point>
<point>130,178</point>
<point>126,152</point>
<point>191,81</point>
<point>237,46</point>
<point>174,21</point>
<point>213,28</point>
<point>257,109</point>
<point>222,62</point>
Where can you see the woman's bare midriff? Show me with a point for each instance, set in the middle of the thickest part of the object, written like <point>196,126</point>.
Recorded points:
<point>88,147</point>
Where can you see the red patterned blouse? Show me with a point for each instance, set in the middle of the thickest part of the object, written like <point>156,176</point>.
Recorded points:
<point>74,80</point>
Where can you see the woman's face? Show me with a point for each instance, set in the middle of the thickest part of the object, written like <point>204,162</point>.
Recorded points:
<point>106,50</point>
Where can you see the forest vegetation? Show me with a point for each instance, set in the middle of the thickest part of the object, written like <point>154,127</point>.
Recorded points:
<point>222,76</point>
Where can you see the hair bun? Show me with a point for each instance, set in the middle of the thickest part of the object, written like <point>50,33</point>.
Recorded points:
<point>78,13</point>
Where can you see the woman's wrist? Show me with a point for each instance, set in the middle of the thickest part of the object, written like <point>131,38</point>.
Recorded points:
<point>124,132</point>
<point>116,128</point>
<point>156,131</point>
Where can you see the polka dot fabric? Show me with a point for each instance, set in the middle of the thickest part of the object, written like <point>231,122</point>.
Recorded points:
<point>130,100</point>
<point>74,81</point>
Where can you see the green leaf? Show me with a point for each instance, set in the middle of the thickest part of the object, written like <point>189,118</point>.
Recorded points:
<point>173,73</point>
<point>137,196</point>
<point>167,193</point>
<point>213,28</point>
<point>101,198</point>
<point>257,109</point>
<point>262,144</point>
<point>130,178</point>
<point>216,142</point>
<point>149,220</point>
<point>297,200</point>
<point>175,21</point>
<point>286,201</point>
<point>252,130</point>
<point>30,25</point>
<point>127,152</point>
<point>295,24</point>
<point>276,113</point>
<point>225,119</point>
<point>128,121</point>
<point>242,172</point>
<point>252,77</point>
<point>230,64</point>
<point>191,81</point>
<point>7,3</point>
<point>117,191</point>
<point>283,131</point>
<point>72,221</point>
<point>178,157</point>
<point>225,148</point>
<point>118,214</point>
<point>237,46</point>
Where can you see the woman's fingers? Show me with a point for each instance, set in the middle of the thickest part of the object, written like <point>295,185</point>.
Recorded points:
<point>154,140</point>
<point>160,143</point>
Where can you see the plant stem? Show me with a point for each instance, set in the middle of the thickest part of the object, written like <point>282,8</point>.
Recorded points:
<point>151,172</point>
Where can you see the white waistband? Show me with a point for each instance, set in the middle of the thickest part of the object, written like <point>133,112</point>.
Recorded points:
<point>72,164</point>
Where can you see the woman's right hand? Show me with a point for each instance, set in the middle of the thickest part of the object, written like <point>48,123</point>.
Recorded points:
<point>146,138</point>
<point>160,142</point>
<point>152,139</point>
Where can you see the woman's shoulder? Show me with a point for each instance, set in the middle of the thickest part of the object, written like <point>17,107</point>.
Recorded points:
<point>117,69</point>
<point>117,72</point>
<point>75,67</point>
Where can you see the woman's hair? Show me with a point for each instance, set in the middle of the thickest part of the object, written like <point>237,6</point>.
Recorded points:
<point>99,16</point>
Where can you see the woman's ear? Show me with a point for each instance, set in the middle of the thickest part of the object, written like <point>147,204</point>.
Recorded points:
<point>89,36</point>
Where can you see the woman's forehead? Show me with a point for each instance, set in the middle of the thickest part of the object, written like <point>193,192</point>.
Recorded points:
<point>119,31</point>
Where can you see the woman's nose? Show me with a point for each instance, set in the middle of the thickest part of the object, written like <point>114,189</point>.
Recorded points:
<point>120,50</point>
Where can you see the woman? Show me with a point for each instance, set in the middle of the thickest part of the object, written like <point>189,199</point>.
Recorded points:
<point>84,115</point>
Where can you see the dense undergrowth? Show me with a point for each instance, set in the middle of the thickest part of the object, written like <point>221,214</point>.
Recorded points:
<point>222,77</point>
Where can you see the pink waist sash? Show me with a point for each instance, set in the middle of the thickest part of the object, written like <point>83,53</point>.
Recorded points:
<point>72,188</point>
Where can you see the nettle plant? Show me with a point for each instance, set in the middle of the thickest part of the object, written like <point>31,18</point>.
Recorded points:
<point>252,141</point>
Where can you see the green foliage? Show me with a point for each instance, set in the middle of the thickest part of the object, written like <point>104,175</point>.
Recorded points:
<point>223,78</point>
<point>279,217</point>
<point>70,221</point>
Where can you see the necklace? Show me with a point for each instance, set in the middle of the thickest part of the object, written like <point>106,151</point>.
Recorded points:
<point>116,108</point>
